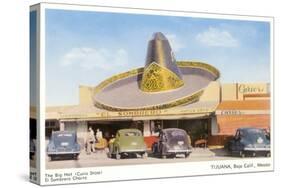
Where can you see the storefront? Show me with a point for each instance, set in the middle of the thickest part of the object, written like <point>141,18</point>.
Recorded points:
<point>193,118</point>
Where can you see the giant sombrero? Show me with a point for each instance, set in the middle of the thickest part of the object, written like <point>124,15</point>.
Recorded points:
<point>162,83</point>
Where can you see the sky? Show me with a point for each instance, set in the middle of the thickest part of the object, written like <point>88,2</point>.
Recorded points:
<point>32,67</point>
<point>84,48</point>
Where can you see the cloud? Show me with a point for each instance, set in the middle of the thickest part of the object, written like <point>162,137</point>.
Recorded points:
<point>90,58</point>
<point>217,37</point>
<point>175,43</point>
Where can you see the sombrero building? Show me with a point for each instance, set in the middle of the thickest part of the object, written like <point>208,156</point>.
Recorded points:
<point>166,93</point>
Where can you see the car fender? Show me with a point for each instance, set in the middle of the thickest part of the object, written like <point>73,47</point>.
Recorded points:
<point>116,147</point>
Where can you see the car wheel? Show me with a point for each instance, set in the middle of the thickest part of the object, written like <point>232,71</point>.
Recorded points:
<point>117,155</point>
<point>144,155</point>
<point>110,155</point>
<point>229,148</point>
<point>75,157</point>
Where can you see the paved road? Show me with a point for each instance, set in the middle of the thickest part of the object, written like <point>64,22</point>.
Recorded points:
<point>101,159</point>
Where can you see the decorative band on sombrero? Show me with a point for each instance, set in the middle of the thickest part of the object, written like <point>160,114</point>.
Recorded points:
<point>162,83</point>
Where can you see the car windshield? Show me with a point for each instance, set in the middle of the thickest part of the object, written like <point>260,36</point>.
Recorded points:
<point>176,135</point>
<point>64,139</point>
<point>256,135</point>
<point>132,134</point>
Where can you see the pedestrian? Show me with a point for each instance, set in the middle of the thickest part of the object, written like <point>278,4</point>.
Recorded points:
<point>90,141</point>
<point>99,134</point>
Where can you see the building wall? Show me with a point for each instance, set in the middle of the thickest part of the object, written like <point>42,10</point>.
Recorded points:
<point>85,95</point>
<point>228,124</point>
<point>236,100</point>
<point>228,92</point>
<point>212,92</point>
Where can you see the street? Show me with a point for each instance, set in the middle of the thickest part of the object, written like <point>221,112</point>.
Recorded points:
<point>100,158</point>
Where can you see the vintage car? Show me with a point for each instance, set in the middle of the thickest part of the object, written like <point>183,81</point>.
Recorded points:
<point>63,144</point>
<point>171,142</point>
<point>249,142</point>
<point>126,143</point>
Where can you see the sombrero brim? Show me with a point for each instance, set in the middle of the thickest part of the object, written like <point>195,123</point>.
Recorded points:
<point>122,91</point>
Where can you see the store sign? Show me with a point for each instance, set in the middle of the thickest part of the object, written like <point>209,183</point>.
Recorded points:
<point>130,113</point>
<point>140,113</point>
<point>241,112</point>
<point>231,112</point>
<point>252,88</point>
<point>137,113</point>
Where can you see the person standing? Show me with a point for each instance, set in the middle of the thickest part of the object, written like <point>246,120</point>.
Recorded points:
<point>99,135</point>
<point>90,141</point>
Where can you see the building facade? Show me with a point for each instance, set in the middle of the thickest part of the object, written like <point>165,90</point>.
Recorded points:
<point>214,117</point>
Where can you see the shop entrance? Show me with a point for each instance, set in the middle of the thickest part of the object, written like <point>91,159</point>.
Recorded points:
<point>198,129</point>
<point>51,125</point>
<point>109,128</point>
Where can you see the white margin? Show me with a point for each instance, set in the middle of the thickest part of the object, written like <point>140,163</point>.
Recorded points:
<point>42,94</point>
<point>166,168</point>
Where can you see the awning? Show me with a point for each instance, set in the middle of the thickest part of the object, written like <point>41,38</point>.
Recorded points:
<point>85,113</point>
<point>232,115</point>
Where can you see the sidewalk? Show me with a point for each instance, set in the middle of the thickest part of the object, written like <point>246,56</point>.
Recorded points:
<point>196,153</point>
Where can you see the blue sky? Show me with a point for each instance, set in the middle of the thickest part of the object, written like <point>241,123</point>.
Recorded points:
<point>32,67</point>
<point>84,48</point>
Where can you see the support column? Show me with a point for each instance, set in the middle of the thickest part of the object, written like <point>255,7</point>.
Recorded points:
<point>214,126</point>
<point>62,126</point>
<point>82,130</point>
<point>146,128</point>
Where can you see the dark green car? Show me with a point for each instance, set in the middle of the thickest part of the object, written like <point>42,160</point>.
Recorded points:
<point>127,142</point>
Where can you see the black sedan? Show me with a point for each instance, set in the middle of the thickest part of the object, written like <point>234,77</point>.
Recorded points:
<point>249,142</point>
<point>63,144</point>
<point>172,142</point>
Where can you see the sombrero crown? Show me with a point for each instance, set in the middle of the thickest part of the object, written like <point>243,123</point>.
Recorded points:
<point>160,72</point>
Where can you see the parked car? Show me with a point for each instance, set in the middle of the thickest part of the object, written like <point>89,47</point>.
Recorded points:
<point>63,144</point>
<point>127,142</point>
<point>172,142</point>
<point>249,142</point>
